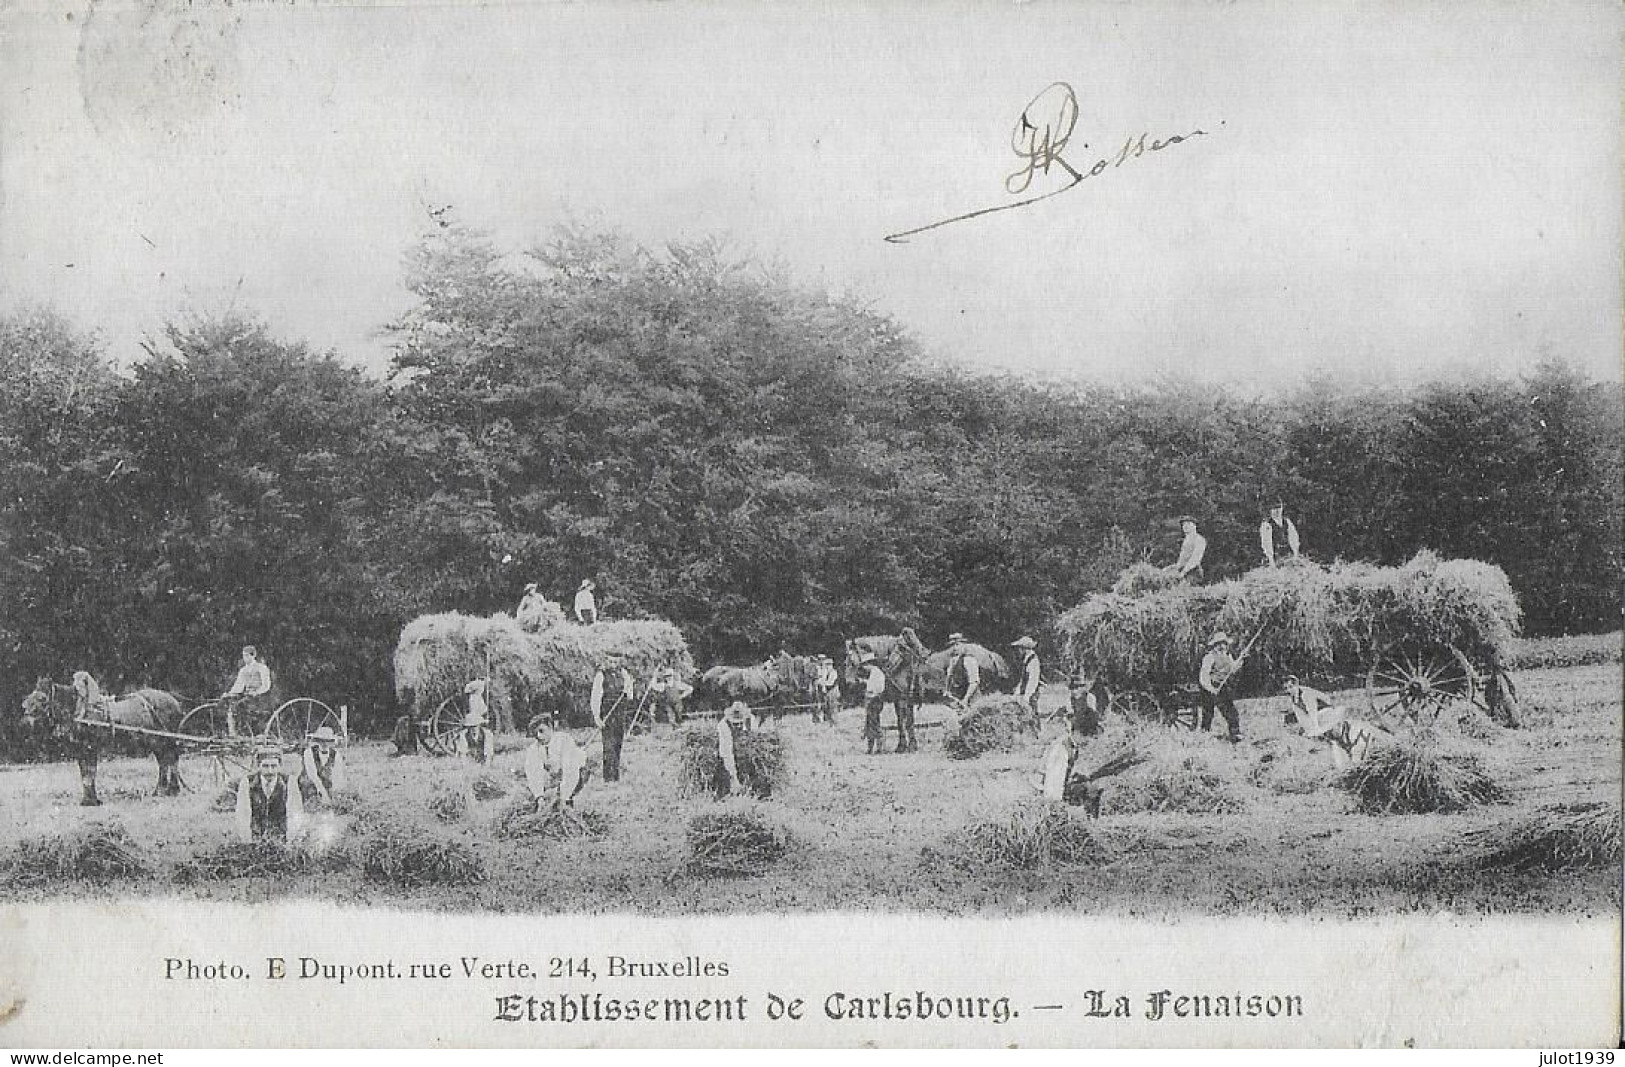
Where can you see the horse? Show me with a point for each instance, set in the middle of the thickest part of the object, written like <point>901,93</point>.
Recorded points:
<point>904,662</point>
<point>59,707</point>
<point>781,676</point>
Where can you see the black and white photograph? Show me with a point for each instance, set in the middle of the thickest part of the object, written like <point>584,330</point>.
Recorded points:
<point>807,487</point>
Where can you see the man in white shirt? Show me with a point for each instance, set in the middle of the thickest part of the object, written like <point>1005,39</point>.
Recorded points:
<point>827,688</point>
<point>555,766</point>
<point>249,698</point>
<point>667,691</point>
<point>1191,551</point>
<point>1218,667</point>
<point>476,740</point>
<point>586,605</point>
<point>874,702</point>
<point>736,722</point>
<point>1304,703</point>
<point>964,672</point>
<point>1277,537</point>
<point>1029,675</point>
<point>269,805</point>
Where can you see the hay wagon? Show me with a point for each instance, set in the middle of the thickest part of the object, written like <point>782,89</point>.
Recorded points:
<point>1414,639</point>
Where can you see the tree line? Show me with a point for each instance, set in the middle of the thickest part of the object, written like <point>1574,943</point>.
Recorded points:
<point>759,462</point>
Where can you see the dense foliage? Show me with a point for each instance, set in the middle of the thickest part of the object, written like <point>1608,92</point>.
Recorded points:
<point>762,464</point>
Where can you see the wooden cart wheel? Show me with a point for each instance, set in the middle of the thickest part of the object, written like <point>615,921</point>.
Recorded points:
<point>439,735</point>
<point>207,722</point>
<point>1137,704</point>
<point>1419,684</point>
<point>300,717</point>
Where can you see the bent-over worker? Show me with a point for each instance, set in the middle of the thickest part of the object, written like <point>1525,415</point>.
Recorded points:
<point>736,722</point>
<point>964,672</point>
<point>555,766</point>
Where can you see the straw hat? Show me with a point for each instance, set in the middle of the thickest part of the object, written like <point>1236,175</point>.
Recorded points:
<point>267,752</point>
<point>1024,642</point>
<point>738,711</point>
<point>1219,638</point>
<point>956,638</point>
<point>1187,518</point>
<point>587,583</point>
<point>323,733</point>
<point>530,587</point>
<point>539,721</point>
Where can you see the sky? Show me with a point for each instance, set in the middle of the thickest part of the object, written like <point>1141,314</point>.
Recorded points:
<point>1382,192</point>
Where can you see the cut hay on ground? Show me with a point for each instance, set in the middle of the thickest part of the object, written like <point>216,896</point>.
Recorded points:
<point>1184,773</point>
<point>403,857</point>
<point>438,655</point>
<point>737,838</point>
<point>94,852</point>
<point>993,724</point>
<point>1565,838</point>
<point>1413,777</point>
<point>520,820</point>
<point>447,802</point>
<point>488,786</point>
<point>758,755</point>
<point>1033,834</point>
<point>1325,621</point>
<point>261,859</point>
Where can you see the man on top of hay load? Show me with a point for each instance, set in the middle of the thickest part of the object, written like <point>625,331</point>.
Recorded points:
<point>874,702</point>
<point>250,695</point>
<point>612,693</point>
<point>586,605</point>
<point>1277,536</point>
<point>964,672</point>
<point>1191,551</point>
<point>736,722</point>
<point>1030,674</point>
<point>269,807</point>
<point>555,766</point>
<point>1219,665</point>
<point>827,688</point>
<point>530,605</point>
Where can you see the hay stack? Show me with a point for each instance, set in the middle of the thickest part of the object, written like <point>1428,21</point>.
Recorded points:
<point>1325,620</point>
<point>530,672</point>
<point>403,857</point>
<point>1190,774</point>
<point>542,615</point>
<point>1033,834</point>
<point>94,852</point>
<point>521,820</point>
<point>261,859</point>
<point>1145,578</point>
<point>758,755</point>
<point>1563,838</point>
<point>1413,777</point>
<point>993,724</point>
<point>738,838</point>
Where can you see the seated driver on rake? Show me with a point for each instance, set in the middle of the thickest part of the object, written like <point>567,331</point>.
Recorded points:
<point>248,701</point>
<point>555,766</point>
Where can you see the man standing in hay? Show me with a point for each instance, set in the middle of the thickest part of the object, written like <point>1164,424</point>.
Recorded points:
<point>1086,696</point>
<point>874,702</point>
<point>269,807</point>
<point>586,605</point>
<point>555,766</point>
<point>964,672</point>
<point>475,739</point>
<point>827,689</point>
<point>1030,674</point>
<point>1191,551</point>
<point>736,723</point>
<point>612,694</point>
<point>249,699</point>
<point>1219,665</point>
<point>667,691</point>
<point>1277,536</point>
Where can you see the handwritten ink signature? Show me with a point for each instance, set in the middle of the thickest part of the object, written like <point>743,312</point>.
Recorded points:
<point>1041,132</point>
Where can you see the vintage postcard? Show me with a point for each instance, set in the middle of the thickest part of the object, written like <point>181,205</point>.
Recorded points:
<point>895,524</point>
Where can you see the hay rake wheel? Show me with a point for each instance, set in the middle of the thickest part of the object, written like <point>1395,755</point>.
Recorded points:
<point>300,717</point>
<point>1419,683</point>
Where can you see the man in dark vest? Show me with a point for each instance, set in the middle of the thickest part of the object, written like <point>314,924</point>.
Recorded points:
<point>269,807</point>
<point>612,698</point>
<point>1277,537</point>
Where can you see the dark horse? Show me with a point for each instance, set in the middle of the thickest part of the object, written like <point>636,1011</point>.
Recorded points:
<point>903,660</point>
<point>60,707</point>
<point>784,679</point>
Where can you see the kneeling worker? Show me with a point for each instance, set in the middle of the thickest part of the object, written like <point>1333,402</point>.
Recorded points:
<point>555,766</point>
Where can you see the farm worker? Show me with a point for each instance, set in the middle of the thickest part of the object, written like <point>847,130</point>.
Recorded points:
<point>1029,674</point>
<point>1351,739</point>
<point>1084,694</point>
<point>324,763</point>
<point>1277,536</point>
<point>475,739</point>
<point>668,691</point>
<point>250,693</point>
<point>612,685</point>
<point>736,721</point>
<point>964,672</point>
<point>1304,702</point>
<point>1191,551</point>
<point>555,766</point>
<point>1058,782</point>
<point>586,605</point>
<point>827,688</point>
<point>1218,667</point>
<point>874,701</point>
<point>269,807</point>
<point>530,606</point>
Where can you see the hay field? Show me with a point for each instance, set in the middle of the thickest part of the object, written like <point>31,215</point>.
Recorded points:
<point>1199,828</point>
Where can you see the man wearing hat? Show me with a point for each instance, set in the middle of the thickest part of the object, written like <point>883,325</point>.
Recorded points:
<point>1277,536</point>
<point>874,702</point>
<point>269,807</point>
<point>586,605</point>
<point>612,691</point>
<point>827,690</point>
<point>1087,698</point>
<point>1191,551</point>
<point>532,607</point>
<point>736,722</point>
<point>1029,674</point>
<point>1218,666</point>
<point>555,766</point>
<point>323,763</point>
<point>964,672</point>
<point>667,691</point>
<point>1303,703</point>
<point>475,738</point>
<point>249,699</point>
<point>1351,739</point>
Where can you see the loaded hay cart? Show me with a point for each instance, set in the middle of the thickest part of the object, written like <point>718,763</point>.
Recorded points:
<point>1417,638</point>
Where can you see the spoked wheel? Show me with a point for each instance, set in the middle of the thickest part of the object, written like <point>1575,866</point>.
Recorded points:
<point>208,722</point>
<point>205,720</point>
<point>1419,684</point>
<point>439,737</point>
<point>299,718</point>
<point>1138,705</point>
